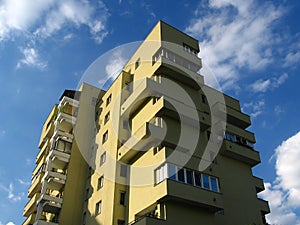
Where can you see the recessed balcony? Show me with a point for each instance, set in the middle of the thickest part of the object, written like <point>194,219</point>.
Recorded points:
<point>68,101</point>
<point>30,220</point>
<point>31,205</point>
<point>58,159</point>
<point>259,184</point>
<point>55,181</point>
<point>240,152</point>
<point>42,152</point>
<point>234,117</point>
<point>185,73</point>
<point>263,206</point>
<point>36,185</point>
<point>148,135</point>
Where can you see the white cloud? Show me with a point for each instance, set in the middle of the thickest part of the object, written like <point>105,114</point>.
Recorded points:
<point>31,58</point>
<point>115,64</point>
<point>10,191</point>
<point>23,182</point>
<point>235,34</point>
<point>10,223</point>
<point>284,193</point>
<point>255,108</point>
<point>44,18</point>
<point>292,58</point>
<point>264,85</point>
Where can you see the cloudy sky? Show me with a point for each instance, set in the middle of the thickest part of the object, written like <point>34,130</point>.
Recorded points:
<point>251,46</point>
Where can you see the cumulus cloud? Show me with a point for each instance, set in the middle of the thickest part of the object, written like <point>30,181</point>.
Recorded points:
<point>254,108</point>
<point>115,64</point>
<point>264,85</point>
<point>31,58</point>
<point>235,35</point>
<point>44,18</point>
<point>284,193</point>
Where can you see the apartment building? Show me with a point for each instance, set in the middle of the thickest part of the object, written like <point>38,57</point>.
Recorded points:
<point>158,146</point>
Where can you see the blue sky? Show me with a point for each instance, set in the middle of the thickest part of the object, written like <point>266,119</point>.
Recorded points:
<point>252,47</point>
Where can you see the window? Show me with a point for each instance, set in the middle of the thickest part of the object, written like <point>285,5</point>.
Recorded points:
<point>105,137</point>
<point>108,100</point>
<point>197,179</point>
<point>63,146</point>
<point>205,181</point>
<point>187,176</point>
<point>100,182</point>
<point>230,137</point>
<point>214,184</point>
<point>121,222</point>
<point>122,197</point>
<point>107,117</point>
<point>204,100</point>
<point>180,175</point>
<point>98,208</point>
<point>123,170</point>
<point>137,63</point>
<point>102,158</point>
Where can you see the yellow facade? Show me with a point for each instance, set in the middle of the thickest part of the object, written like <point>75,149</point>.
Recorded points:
<point>158,147</point>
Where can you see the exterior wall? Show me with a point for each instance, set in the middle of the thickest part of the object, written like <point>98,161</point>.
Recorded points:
<point>148,112</point>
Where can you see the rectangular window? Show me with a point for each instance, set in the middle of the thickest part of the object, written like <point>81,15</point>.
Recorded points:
<point>105,137</point>
<point>137,63</point>
<point>100,182</point>
<point>122,197</point>
<point>230,137</point>
<point>204,100</point>
<point>98,208</point>
<point>102,158</point>
<point>189,177</point>
<point>123,170</point>
<point>108,100</point>
<point>172,171</point>
<point>205,181</point>
<point>107,117</point>
<point>197,179</point>
<point>214,184</point>
<point>180,175</point>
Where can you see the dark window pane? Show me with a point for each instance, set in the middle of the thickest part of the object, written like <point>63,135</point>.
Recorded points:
<point>198,179</point>
<point>189,177</point>
<point>180,175</point>
<point>205,181</point>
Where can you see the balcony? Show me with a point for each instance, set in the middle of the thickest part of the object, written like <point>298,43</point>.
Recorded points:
<point>36,185</point>
<point>60,133</point>
<point>68,101</point>
<point>58,159</point>
<point>185,74</point>
<point>30,219</point>
<point>188,114</point>
<point>55,181</point>
<point>42,152</point>
<point>31,205</point>
<point>259,184</point>
<point>39,166</point>
<point>148,220</point>
<point>263,206</point>
<point>148,135</point>
<point>234,117</point>
<point>145,88</point>
<point>65,121</point>
<point>192,195</point>
<point>240,152</point>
